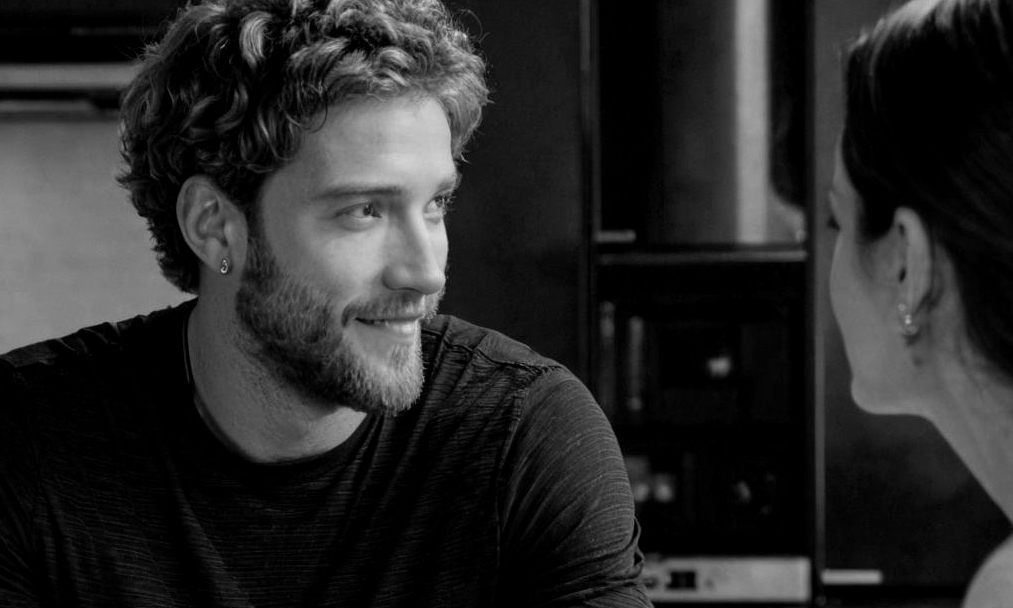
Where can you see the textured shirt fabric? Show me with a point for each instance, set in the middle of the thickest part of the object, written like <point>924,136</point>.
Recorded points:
<point>502,486</point>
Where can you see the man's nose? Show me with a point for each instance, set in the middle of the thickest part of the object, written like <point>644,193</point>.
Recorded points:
<point>417,257</point>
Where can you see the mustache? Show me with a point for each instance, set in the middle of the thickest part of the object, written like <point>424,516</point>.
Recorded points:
<point>397,305</point>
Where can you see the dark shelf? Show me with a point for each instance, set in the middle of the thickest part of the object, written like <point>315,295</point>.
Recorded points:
<point>702,257</point>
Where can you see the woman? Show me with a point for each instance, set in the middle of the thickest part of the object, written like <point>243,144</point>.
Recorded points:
<point>922,276</point>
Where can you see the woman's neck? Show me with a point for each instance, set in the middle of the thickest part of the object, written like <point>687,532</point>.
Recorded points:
<point>973,409</point>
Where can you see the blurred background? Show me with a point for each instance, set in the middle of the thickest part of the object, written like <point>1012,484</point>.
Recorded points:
<point>644,202</point>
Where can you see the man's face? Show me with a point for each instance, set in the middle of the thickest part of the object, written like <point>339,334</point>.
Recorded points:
<point>348,254</point>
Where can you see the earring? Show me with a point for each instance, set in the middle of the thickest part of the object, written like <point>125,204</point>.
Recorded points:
<point>224,268</point>
<point>908,327</point>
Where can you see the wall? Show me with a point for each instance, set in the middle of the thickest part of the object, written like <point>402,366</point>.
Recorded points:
<point>73,251</point>
<point>516,229</point>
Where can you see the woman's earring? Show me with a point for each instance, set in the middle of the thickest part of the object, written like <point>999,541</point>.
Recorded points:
<point>908,328</point>
<point>224,268</point>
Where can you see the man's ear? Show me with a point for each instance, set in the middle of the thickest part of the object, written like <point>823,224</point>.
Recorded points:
<point>914,273</point>
<point>212,225</point>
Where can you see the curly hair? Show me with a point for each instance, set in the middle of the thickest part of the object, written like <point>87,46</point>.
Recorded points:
<point>234,84</point>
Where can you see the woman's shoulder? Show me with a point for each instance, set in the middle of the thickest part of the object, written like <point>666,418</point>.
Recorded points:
<point>992,586</point>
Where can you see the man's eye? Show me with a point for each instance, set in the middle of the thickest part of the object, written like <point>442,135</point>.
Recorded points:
<point>362,211</point>
<point>440,205</point>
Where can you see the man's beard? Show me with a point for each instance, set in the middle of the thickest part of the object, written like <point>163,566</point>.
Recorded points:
<point>295,332</point>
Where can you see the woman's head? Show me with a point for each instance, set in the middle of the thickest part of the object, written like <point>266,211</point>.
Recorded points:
<point>929,130</point>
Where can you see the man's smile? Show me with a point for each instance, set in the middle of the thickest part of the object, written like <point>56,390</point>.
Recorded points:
<point>405,328</point>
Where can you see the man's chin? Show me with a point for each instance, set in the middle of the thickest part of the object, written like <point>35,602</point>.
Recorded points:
<point>390,383</point>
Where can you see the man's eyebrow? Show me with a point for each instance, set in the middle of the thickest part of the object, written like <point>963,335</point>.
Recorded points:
<point>378,189</point>
<point>356,189</point>
<point>451,184</point>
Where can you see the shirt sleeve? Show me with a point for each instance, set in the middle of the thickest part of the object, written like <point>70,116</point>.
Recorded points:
<point>569,534</point>
<point>18,489</point>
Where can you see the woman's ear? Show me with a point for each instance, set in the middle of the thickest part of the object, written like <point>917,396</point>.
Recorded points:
<point>212,225</point>
<point>914,274</point>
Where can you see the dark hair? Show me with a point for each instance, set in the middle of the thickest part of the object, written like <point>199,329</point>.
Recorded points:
<point>234,84</point>
<point>929,126</point>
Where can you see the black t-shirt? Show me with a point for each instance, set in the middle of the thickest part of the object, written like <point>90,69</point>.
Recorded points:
<point>502,486</point>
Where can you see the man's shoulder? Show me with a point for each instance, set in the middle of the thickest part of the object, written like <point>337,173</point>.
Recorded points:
<point>89,346</point>
<point>449,333</point>
<point>59,398</point>
<point>477,369</point>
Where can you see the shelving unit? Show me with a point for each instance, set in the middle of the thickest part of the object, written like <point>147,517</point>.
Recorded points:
<point>701,367</point>
<point>700,293</point>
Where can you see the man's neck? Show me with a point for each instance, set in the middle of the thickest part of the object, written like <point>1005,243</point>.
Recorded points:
<point>242,402</point>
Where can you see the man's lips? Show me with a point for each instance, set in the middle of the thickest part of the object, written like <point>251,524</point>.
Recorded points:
<point>401,324</point>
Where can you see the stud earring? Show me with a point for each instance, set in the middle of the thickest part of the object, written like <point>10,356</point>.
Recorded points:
<point>908,327</point>
<point>224,268</point>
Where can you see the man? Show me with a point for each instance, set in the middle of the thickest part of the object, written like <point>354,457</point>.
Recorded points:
<point>307,431</point>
